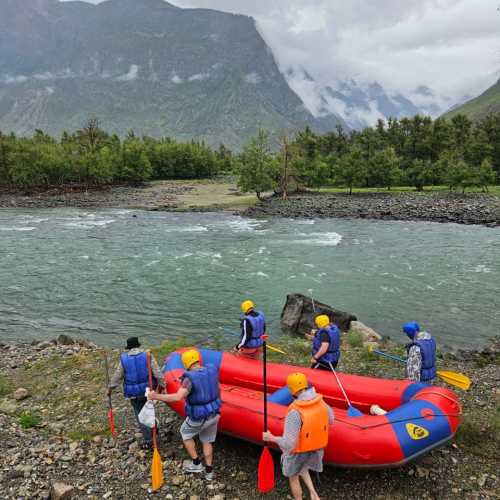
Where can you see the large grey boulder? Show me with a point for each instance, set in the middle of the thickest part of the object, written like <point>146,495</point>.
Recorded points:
<point>298,314</point>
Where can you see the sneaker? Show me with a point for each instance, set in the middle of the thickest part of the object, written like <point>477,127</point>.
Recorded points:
<point>209,476</point>
<point>189,466</point>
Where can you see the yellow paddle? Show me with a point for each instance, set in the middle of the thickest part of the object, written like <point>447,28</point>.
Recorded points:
<point>157,477</point>
<point>457,379</point>
<point>268,346</point>
<point>275,349</point>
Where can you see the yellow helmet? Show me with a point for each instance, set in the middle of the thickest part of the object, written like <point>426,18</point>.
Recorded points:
<point>296,382</point>
<point>246,306</point>
<point>190,357</point>
<point>322,321</point>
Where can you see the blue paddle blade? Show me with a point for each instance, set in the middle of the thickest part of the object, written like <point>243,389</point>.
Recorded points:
<point>353,412</point>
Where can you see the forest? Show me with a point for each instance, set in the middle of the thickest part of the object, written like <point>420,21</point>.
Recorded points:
<point>416,152</point>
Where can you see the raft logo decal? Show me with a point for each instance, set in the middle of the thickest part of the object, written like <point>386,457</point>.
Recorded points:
<point>416,432</point>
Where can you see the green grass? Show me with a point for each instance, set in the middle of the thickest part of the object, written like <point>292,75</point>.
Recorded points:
<point>354,339</point>
<point>29,419</point>
<point>5,386</point>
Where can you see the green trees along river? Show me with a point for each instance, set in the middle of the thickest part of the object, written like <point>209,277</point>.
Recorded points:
<point>414,152</point>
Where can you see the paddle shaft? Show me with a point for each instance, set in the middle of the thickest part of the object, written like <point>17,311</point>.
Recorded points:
<point>150,384</point>
<point>106,364</point>
<point>264,347</point>
<point>390,356</point>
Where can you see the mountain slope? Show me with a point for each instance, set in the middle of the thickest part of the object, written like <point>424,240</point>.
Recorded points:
<point>142,65</point>
<point>481,106</point>
<point>359,105</point>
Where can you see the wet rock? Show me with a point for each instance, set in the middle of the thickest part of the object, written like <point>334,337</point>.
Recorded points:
<point>299,312</point>
<point>61,491</point>
<point>367,333</point>
<point>20,394</point>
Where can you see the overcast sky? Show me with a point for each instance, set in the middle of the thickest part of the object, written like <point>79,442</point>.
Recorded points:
<point>452,46</point>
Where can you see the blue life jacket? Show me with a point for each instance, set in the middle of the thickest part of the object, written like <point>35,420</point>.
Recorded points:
<point>258,323</point>
<point>203,400</point>
<point>428,352</point>
<point>333,353</point>
<point>135,379</point>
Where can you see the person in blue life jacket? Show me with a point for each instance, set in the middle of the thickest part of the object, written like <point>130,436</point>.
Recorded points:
<point>132,372</point>
<point>421,354</point>
<point>253,327</point>
<point>325,344</point>
<point>201,392</point>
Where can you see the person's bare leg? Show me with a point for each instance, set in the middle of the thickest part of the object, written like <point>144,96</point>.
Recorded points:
<point>190,446</point>
<point>295,487</point>
<point>306,477</point>
<point>208,453</point>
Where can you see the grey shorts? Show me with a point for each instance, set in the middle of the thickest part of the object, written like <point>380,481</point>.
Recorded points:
<point>298,463</point>
<point>206,430</point>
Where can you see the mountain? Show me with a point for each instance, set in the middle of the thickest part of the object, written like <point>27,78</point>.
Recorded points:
<point>142,65</point>
<point>360,105</point>
<point>479,107</point>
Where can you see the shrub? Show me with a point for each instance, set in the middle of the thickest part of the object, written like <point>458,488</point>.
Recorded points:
<point>29,419</point>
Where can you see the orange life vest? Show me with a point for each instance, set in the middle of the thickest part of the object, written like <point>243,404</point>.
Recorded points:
<point>314,431</point>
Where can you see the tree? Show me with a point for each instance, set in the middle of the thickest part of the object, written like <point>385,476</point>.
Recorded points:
<point>461,175</point>
<point>486,175</point>
<point>420,173</point>
<point>257,167</point>
<point>134,166</point>
<point>350,170</point>
<point>384,168</point>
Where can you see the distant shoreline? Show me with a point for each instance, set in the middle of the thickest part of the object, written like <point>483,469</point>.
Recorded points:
<point>210,196</point>
<point>444,207</point>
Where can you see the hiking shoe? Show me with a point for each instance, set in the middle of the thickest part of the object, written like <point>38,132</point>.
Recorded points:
<point>189,466</point>
<point>209,476</point>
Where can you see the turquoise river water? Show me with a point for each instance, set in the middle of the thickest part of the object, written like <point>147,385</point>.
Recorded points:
<point>108,274</point>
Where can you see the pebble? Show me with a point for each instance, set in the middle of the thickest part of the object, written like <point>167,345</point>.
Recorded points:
<point>20,394</point>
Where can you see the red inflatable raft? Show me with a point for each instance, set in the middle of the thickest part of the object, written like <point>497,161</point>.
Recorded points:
<point>420,417</point>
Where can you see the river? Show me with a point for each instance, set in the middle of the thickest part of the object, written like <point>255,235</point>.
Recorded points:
<point>108,274</point>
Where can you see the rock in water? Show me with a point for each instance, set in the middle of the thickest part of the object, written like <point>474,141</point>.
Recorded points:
<point>21,394</point>
<point>61,491</point>
<point>299,313</point>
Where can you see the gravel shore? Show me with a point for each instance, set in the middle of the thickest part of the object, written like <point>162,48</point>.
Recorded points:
<point>69,454</point>
<point>432,206</point>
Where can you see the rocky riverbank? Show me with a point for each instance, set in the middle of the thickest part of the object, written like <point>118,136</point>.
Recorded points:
<point>54,441</point>
<point>406,206</point>
<point>158,195</point>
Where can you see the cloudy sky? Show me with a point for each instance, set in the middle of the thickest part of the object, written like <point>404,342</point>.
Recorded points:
<point>451,46</point>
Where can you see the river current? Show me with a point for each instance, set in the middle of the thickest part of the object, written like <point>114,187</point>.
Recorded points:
<point>108,274</point>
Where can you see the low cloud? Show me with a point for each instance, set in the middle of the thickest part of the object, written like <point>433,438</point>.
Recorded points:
<point>131,75</point>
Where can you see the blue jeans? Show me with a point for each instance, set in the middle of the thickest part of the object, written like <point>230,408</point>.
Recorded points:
<point>137,404</point>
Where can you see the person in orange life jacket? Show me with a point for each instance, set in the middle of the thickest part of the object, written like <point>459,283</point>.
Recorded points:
<point>200,390</point>
<point>421,358</point>
<point>305,435</point>
<point>253,326</point>
<point>325,345</point>
<point>132,371</point>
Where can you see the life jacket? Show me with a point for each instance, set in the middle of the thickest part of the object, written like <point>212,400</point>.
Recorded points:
<point>314,430</point>
<point>203,400</point>
<point>258,323</point>
<point>135,379</point>
<point>428,352</point>
<point>333,353</point>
